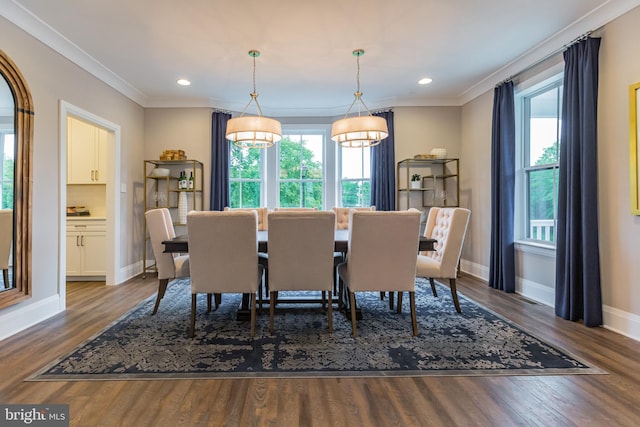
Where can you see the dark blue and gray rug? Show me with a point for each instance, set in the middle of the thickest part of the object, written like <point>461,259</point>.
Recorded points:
<point>476,342</point>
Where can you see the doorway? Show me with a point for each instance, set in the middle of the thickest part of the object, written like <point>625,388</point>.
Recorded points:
<point>112,194</point>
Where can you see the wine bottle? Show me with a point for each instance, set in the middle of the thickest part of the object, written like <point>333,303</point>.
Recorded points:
<point>180,181</point>
<point>191,181</point>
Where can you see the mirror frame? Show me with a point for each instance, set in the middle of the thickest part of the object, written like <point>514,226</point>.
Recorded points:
<point>23,130</point>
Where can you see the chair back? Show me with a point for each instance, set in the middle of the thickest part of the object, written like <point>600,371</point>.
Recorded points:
<point>160,228</point>
<point>448,226</point>
<point>223,251</point>
<point>6,237</point>
<point>263,214</point>
<point>294,209</point>
<point>342,216</point>
<point>301,250</point>
<point>383,248</point>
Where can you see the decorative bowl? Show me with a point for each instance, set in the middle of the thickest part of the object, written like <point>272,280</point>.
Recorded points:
<point>160,172</point>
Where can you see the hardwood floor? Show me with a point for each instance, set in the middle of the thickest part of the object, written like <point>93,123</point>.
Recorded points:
<point>569,400</point>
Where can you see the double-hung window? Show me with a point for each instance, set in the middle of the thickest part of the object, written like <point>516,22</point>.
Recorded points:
<point>245,177</point>
<point>301,170</point>
<point>355,177</point>
<point>539,133</point>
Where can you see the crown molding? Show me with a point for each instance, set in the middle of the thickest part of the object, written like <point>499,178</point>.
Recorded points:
<point>39,29</point>
<point>594,20</point>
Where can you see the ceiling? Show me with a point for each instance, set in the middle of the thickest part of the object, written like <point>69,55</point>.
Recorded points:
<point>306,67</point>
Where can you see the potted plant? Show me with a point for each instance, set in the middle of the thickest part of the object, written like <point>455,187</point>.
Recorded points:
<point>415,180</point>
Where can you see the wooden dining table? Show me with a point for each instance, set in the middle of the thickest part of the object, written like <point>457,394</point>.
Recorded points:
<point>180,244</point>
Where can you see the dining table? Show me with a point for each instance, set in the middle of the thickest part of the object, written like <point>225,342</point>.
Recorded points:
<point>180,244</point>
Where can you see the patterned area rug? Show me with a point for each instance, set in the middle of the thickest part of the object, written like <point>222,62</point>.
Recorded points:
<point>476,342</point>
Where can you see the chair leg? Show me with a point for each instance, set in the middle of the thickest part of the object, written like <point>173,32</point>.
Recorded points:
<point>209,303</point>
<point>253,314</point>
<point>391,298</point>
<point>399,302</point>
<point>414,320</point>
<point>352,300</point>
<point>324,298</point>
<point>193,316</point>
<point>330,313</point>
<point>433,287</point>
<point>454,294</point>
<point>272,308</point>
<point>162,287</point>
<point>260,297</point>
<point>382,296</point>
<point>218,299</point>
<point>5,276</point>
<point>340,292</point>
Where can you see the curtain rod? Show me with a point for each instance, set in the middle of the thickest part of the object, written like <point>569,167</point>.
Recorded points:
<point>547,57</point>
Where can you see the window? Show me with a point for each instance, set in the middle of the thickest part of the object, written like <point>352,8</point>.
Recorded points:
<point>304,169</point>
<point>6,169</point>
<point>539,154</point>
<point>301,166</point>
<point>355,177</point>
<point>245,177</point>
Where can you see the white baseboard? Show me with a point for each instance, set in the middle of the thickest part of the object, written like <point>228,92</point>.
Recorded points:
<point>616,320</point>
<point>622,322</point>
<point>536,291</point>
<point>24,317</point>
<point>129,272</point>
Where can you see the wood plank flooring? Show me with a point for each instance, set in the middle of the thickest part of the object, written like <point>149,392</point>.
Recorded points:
<point>570,400</point>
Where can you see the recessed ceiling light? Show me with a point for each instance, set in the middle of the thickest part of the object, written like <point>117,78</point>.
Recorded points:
<point>183,82</point>
<point>424,81</point>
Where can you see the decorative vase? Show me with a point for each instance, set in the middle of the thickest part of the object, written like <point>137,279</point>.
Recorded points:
<point>182,207</point>
<point>415,184</point>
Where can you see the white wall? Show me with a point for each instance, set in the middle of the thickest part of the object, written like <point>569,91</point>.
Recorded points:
<point>52,78</point>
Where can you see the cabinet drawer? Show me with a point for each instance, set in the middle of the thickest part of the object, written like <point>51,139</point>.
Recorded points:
<point>76,226</point>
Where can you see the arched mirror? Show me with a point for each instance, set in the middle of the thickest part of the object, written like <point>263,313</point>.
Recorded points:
<point>16,134</point>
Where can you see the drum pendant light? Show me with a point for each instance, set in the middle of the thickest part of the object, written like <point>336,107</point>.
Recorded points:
<point>253,131</point>
<point>361,130</point>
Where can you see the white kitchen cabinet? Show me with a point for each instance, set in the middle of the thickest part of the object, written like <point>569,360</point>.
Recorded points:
<point>86,254</point>
<point>86,153</point>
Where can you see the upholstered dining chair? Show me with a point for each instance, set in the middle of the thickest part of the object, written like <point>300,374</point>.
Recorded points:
<point>169,266</point>
<point>342,223</point>
<point>278,209</point>
<point>342,215</point>
<point>263,215</point>
<point>6,238</point>
<point>448,226</point>
<point>301,255</point>
<point>381,256</point>
<point>223,247</point>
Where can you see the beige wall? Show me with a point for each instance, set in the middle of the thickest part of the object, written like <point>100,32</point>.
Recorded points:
<point>52,78</point>
<point>619,230</point>
<point>187,129</point>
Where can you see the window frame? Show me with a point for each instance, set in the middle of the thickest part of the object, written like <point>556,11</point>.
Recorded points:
<point>545,81</point>
<point>261,179</point>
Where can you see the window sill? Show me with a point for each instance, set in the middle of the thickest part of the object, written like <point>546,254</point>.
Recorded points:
<point>536,248</point>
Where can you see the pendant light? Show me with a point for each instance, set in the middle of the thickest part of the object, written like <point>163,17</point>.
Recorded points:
<point>253,131</point>
<point>361,130</point>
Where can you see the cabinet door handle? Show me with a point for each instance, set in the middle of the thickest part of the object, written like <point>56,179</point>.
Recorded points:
<point>77,240</point>
<point>82,240</point>
<point>92,174</point>
<point>96,175</point>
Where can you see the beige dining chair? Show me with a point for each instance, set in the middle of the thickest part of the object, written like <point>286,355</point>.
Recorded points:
<point>277,209</point>
<point>223,247</point>
<point>263,215</point>
<point>6,238</point>
<point>342,215</point>
<point>169,266</point>
<point>448,226</point>
<point>382,256</point>
<point>301,255</point>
